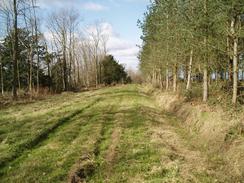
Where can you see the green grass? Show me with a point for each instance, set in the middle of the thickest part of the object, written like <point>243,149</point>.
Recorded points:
<point>46,141</point>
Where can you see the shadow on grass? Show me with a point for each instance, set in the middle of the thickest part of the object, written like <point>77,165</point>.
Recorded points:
<point>31,143</point>
<point>87,165</point>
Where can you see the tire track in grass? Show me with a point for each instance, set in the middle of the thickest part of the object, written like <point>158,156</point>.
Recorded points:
<point>88,165</point>
<point>109,153</point>
<point>30,119</point>
<point>129,157</point>
<point>59,149</point>
<point>114,143</point>
<point>17,130</point>
<point>19,149</point>
<point>31,143</point>
<point>99,137</point>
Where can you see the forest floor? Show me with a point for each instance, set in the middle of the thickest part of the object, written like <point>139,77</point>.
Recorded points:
<point>116,134</point>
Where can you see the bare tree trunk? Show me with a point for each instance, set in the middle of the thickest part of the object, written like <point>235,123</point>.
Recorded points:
<point>19,85</point>
<point>234,24</point>
<point>86,68</point>
<point>175,78</point>
<point>230,61</point>
<point>154,78</point>
<point>217,76</point>
<point>49,76</point>
<point>65,74</point>
<point>1,74</point>
<point>188,86</point>
<point>167,55</point>
<point>87,80</point>
<point>37,71</point>
<point>205,69</point>
<point>96,74</point>
<point>75,77</point>
<point>78,72</point>
<point>70,56</point>
<point>205,76</point>
<point>235,71</point>
<point>167,77</point>
<point>205,83</point>
<point>37,48</point>
<point>99,73</point>
<point>225,77</point>
<point>70,70</point>
<point>160,79</point>
<point>15,51</point>
<point>30,69</point>
<point>87,75</point>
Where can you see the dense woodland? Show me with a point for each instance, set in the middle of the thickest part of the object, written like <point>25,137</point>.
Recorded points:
<point>69,57</point>
<point>193,44</point>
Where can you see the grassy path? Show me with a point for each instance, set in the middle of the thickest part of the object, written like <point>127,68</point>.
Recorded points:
<point>110,135</point>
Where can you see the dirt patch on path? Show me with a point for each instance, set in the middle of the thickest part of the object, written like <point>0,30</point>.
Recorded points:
<point>83,169</point>
<point>111,153</point>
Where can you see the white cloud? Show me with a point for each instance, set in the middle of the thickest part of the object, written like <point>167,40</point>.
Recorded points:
<point>49,4</point>
<point>89,5</point>
<point>125,51</point>
<point>48,35</point>
<point>118,2</point>
<point>93,6</point>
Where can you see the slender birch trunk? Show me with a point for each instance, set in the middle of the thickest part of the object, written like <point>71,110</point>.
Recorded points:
<point>1,74</point>
<point>188,86</point>
<point>19,84</point>
<point>205,69</point>
<point>167,77</point>
<point>230,61</point>
<point>175,78</point>
<point>37,48</point>
<point>65,74</point>
<point>234,24</point>
<point>205,84</point>
<point>15,51</point>
<point>30,69</point>
<point>205,75</point>
<point>160,79</point>
<point>235,70</point>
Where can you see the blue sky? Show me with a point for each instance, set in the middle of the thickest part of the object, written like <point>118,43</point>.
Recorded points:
<point>119,19</point>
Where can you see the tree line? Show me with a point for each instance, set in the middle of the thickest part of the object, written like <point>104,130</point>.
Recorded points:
<point>188,43</point>
<point>67,57</point>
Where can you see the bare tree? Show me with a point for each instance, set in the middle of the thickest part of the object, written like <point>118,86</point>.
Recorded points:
<point>98,44</point>
<point>15,50</point>
<point>61,24</point>
<point>33,4</point>
<point>1,76</point>
<point>96,38</point>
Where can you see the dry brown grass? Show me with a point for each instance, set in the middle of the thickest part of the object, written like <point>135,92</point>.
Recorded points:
<point>210,128</point>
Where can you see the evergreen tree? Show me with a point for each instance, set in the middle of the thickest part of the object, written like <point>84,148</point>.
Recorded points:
<point>185,40</point>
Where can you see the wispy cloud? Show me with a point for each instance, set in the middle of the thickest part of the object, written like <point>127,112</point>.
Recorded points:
<point>124,50</point>
<point>88,5</point>
<point>93,6</point>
